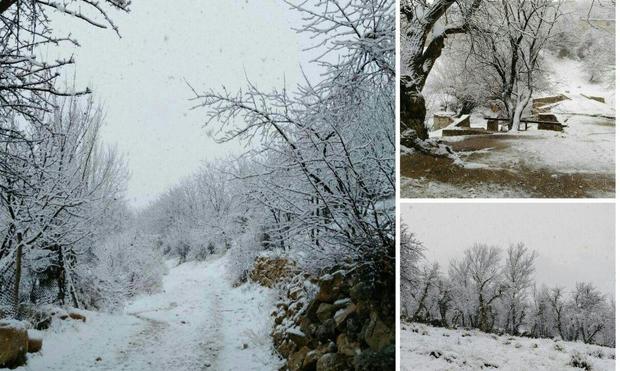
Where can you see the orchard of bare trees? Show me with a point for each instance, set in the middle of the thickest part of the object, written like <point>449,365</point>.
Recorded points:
<point>493,290</point>
<point>317,179</point>
<point>61,188</point>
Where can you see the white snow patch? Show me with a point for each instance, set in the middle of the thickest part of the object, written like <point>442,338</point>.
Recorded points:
<point>434,349</point>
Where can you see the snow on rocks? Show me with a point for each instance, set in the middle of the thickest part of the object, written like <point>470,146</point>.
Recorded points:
<point>269,271</point>
<point>35,341</point>
<point>346,324</point>
<point>42,317</point>
<point>432,348</point>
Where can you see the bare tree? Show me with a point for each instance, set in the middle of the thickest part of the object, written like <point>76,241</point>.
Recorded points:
<point>412,253</point>
<point>588,313</point>
<point>507,41</point>
<point>518,280</point>
<point>477,285</point>
<point>60,180</point>
<point>556,301</point>
<point>425,299</point>
<point>542,320</point>
<point>325,151</point>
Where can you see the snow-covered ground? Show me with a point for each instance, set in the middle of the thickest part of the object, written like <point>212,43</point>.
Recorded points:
<point>198,322</point>
<point>586,147</point>
<point>425,348</point>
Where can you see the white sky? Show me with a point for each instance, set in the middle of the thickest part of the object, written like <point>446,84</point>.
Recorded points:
<point>574,242</point>
<point>140,78</point>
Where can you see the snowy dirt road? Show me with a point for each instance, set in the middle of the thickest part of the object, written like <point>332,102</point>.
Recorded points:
<point>198,322</point>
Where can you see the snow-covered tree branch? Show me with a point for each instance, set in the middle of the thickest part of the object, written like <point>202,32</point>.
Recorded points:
<point>480,291</point>
<point>323,153</point>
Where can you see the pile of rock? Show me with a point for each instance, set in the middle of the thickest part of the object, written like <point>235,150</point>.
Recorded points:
<point>340,321</point>
<point>16,340</point>
<point>41,317</point>
<point>269,271</point>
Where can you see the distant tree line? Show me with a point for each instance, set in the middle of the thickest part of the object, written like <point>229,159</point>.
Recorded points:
<point>493,290</point>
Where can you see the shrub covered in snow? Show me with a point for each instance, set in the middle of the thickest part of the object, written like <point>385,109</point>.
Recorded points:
<point>579,360</point>
<point>128,264</point>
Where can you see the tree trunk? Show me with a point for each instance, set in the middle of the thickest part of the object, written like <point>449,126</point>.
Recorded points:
<point>61,277</point>
<point>482,314</point>
<point>6,4</point>
<point>518,106</point>
<point>517,114</point>
<point>412,109</point>
<point>18,274</point>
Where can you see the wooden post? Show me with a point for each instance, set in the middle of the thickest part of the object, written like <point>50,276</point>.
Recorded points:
<point>18,274</point>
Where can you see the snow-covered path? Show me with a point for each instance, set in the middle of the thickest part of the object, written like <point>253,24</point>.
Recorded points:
<point>198,322</point>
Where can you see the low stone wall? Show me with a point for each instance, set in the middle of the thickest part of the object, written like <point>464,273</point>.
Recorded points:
<point>338,321</point>
<point>442,120</point>
<point>538,104</point>
<point>270,271</point>
<point>462,122</point>
<point>593,97</point>
<point>466,131</point>
<point>17,339</point>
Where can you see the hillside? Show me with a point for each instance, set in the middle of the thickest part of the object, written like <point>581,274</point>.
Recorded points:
<point>431,348</point>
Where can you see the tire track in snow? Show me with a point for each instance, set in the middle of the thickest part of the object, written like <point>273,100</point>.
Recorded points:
<point>211,346</point>
<point>144,340</point>
<point>198,322</point>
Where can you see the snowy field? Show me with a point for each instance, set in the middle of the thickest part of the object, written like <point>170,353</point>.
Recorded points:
<point>425,348</point>
<point>198,322</point>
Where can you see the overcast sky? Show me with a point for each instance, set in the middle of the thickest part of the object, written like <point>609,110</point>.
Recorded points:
<point>141,78</point>
<point>574,242</point>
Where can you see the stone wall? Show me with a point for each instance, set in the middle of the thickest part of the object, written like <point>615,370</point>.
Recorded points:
<point>342,320</point>
<point>13,343</point>
<point>442,120</point>
<point>538,104</point>
<point>270,271</point>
